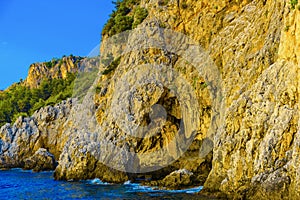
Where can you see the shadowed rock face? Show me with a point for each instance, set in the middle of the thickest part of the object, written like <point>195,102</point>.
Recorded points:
<point>255,46</point>
<point>155,108</point>
<point>42,160</point>
<point>175,180</point>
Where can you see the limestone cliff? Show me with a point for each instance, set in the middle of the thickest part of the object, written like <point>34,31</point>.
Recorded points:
<point>242,105</point>
<point>36,142</point>
<point>254,45</point>
<point>22,142</point>
<point>57,68</point>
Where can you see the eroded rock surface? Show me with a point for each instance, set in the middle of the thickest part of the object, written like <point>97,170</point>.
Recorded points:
<point>27,136</point>
<point>42,160</point>
<point>50,70</point>
<point>175,180</point>
<point>254,45</point>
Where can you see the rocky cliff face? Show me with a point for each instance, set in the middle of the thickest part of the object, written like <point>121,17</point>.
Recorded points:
<point>254,45</point>
<point>57,68</point>
<point>30,140</point>
<point>246,115</point>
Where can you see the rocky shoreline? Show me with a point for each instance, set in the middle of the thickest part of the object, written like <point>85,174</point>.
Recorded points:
<point>28,142</point>
<point>252,143</point>
<point>44,135</point>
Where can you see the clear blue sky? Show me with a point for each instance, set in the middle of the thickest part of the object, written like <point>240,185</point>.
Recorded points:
<point>39,30</point>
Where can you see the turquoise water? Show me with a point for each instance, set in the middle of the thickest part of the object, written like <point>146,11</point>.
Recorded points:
<point>20,184</point>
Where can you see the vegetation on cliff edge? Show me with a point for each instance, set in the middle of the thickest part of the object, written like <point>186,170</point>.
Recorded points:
<point>126,16</point>
<point>20,100</point>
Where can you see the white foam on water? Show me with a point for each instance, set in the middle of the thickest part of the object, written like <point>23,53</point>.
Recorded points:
<point>97,181</point>
<point>189,190</point>
<point>135,187</point>
<point>127,183</point>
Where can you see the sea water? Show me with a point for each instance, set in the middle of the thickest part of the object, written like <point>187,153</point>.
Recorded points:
<point>22,184</point>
